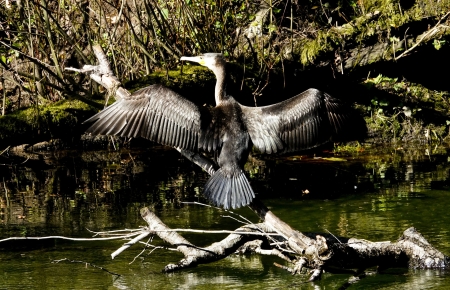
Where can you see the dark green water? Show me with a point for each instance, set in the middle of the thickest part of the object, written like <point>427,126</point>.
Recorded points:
<point>374,195</point>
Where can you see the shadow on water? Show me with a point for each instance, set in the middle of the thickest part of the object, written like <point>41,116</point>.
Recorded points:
<point>375,194</point>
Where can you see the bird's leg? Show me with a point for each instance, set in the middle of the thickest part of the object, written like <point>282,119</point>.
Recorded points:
<point>200,160</point>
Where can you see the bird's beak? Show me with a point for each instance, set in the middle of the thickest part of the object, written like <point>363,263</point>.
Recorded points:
<point>196,59</point>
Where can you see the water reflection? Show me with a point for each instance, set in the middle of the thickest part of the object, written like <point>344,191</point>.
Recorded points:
<point>375,194</point>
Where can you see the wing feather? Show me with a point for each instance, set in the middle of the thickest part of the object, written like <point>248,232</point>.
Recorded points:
<point>305,121</point>
<point>159,114</point>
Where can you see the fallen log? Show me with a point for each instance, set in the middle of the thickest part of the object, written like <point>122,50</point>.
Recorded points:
<point>316,252</point>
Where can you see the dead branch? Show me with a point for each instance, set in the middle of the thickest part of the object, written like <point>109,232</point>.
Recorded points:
<point>103,74</point>
<point>68,238</point>
<point>86,264</point>
<point>325,252</point>
<point>194,255</point>
<point>428,35</point>
<point>129,244</point>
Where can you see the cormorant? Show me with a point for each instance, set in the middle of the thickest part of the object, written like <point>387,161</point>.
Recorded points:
<point>230,129</point>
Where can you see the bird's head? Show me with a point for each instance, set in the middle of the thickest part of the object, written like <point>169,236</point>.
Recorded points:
<point>213,61</point>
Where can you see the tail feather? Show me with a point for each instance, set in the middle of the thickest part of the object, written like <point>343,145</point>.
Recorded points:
<point>228,191</point>
<point>239,191</point>
<point>236,193</point>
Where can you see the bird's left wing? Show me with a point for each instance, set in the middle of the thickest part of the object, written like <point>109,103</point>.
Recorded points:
<point>305,121</point>
<point>155,113</point>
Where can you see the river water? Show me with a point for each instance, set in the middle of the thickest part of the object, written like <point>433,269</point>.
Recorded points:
<point>373,194</point>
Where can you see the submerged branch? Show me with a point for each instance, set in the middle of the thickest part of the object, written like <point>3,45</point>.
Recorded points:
<point>67,238</point>
<point>325,252</point>
<point>194,255</point>
<point>86,264</point>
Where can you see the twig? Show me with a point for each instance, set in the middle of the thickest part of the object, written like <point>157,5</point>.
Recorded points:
<point>132,159</point>
<point>158,247</point>
<point>199,203</point>
<point>129,244</point>
<point>334,236</point>
<point>28,158</point>
<point>208,205</point>
<point>6,193</point>
<point>115,231</point>
<point>112,141</point>
<point>431,31</point>
<point>33,59</point>
<point>222,232</point>
<point>143,250</point>
<point>86,263</point>
<point>290,270</point>
<point>117,23</point>
<point>269,236</point>
<point>66,238</point>
<point>233,218</point>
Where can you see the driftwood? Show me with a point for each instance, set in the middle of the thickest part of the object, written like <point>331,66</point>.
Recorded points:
<point>317,252</point>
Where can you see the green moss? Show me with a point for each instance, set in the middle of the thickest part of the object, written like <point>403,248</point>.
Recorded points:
<point>348,148</point>
<point>380,17</point>
<point>408,113</point>
<point>34,124</point>
<point>178,80</point>
<point>309,50</point>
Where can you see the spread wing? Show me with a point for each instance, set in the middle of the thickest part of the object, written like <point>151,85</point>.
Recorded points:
<point>161,115</point>
<point>305,121</point>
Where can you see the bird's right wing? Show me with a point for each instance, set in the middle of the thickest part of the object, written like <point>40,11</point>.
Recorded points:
<point>305,121</point>
<point>158,114</point>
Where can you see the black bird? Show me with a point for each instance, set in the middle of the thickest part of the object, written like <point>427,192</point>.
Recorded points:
<point>230,129</point>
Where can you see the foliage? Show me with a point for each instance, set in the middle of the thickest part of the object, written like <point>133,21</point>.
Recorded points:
<point>401,117</point>
<point>144,40</point>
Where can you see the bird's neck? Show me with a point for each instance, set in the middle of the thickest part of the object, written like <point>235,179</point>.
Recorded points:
<point>220,93</point>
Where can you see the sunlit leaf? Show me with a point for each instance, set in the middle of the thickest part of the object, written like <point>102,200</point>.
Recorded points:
<point>272,27</point>
<point>165,12</point>
<point>378,79</point>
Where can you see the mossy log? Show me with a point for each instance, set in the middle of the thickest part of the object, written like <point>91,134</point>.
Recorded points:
<point>376,36</point>
<point>36,124</point>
